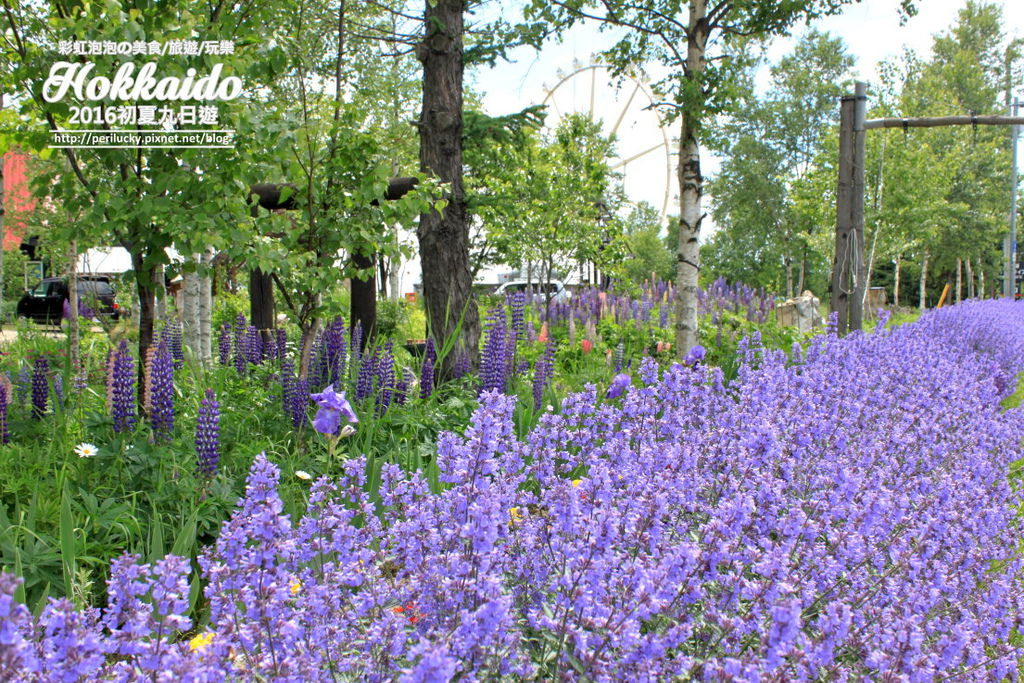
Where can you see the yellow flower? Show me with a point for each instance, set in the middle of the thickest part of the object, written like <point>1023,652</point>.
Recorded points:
<point>296,586</point>
<point>577,482</point>
<point>514,516</point>
<point>200,641</point>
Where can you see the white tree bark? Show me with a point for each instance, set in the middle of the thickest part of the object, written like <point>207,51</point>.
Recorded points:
<point>923,293</point>
<point>970,279</point>
<point>205,323</point>
<point>981,280</point>
<point>896,282</point>
<point>160,287</point>
<point>691,187</point>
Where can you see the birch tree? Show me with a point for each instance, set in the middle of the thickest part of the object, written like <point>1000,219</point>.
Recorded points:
<point>694,40</point>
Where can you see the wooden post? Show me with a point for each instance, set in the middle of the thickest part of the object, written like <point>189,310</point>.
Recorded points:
<point>841,267</point>
<point>945,293</point>
<point>860,266</point>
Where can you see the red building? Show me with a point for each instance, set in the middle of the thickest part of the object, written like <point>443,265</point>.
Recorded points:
<point>17,200</point>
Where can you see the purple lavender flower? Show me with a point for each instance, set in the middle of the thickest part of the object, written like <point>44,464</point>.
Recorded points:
<point>122,383</point>
<point>40,387</point>
<point>161,393</point>
<point>333,407</point>
<point>208,434</point>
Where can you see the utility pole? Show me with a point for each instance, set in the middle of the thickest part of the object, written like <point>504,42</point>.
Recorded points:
<point>1014,132</point>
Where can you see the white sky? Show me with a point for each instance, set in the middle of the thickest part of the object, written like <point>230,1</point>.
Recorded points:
<point>871,30</point>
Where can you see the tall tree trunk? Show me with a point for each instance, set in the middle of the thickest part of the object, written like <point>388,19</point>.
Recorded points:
<point>444,237</point>
<point>800,286</point>
<point>923,291</point>
<point>896,281</point>
<point>691,188</point>
<point>788,260</point>
<point>145,277</point>
<point>261,302</point>
<point>206,309</point>
<point>363,302</point>
<point>981,279</point>
<point>959,280</point>
<point>970,278</point>
<point>159,294</point>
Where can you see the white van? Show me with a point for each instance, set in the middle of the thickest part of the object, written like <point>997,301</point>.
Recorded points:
<point>556,288</point>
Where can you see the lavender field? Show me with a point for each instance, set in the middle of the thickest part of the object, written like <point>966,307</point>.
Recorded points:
<point>846,511</point>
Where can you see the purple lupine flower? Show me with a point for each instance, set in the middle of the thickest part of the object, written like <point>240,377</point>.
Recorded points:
<point>333,407</point>
<point>160,377</point>
<point>208,435</point>
<point>241,351</point>
<point>122,385</point>
<point>253,345</point>
<point>282,344</point>
<point>287,386</point>
<point>334,344</point>
<point>5,438</point>
<point>224,344</point>
<point>619,385</point>
<point>462,364</point>
<point>402,387</point>
<point>427,372</point>
<point>430,350</point>
<point>543,371</point>
<point>357,345</point>
<point>23,384</point>
<point>493,358</point>
<point>171,336</point>
<point>518,305</point>
<point>300,402</point>
<point>367,371</point>
<point>40,387</point>
<point>385,373</point>
<point>58,389</point>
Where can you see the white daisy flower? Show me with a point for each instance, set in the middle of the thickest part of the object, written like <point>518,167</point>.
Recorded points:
<point>86,450</point>
<point>303,475</point>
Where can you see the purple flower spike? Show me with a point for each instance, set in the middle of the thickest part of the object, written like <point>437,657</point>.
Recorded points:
<point>40,387</point>
<point>208,434</point>
<point>619,385</point>
<point>333,406</point>
<point>123,389</point>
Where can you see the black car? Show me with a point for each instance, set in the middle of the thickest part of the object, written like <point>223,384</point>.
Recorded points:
<point>46,301</point>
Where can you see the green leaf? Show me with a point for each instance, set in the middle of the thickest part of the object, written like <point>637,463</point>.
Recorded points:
<point>67,541</point>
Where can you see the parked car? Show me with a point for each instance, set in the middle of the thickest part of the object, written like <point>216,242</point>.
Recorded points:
<point>555,287</point>
<point>45,301</point>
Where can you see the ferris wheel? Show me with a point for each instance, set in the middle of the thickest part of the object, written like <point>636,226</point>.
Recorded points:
<point>626,110</point>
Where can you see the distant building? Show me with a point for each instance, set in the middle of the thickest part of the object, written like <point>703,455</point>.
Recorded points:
<point>18,200</point>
